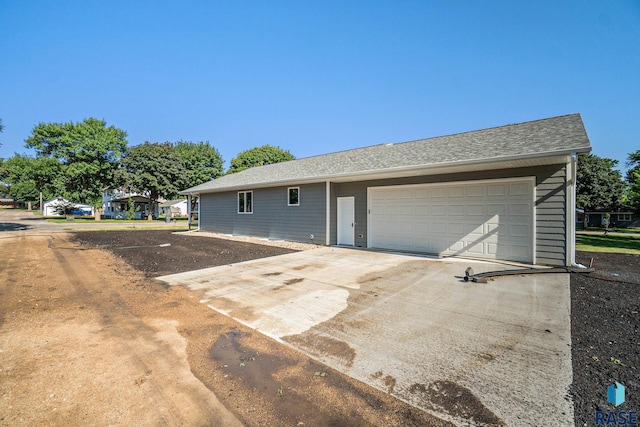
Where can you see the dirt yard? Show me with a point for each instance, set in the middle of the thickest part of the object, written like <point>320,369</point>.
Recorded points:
<point>605,333</point>
<point>87,337</point>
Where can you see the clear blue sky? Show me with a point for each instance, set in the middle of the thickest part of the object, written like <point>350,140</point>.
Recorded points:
<point>323,76</point>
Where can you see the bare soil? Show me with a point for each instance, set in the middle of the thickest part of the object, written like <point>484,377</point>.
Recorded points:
<point>88,337</point>
<point>605,333</point>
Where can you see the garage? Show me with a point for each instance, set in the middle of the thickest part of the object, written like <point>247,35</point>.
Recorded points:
<point>491,219</point>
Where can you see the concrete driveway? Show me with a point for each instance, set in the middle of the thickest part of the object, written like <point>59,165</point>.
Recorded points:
<point>470,353</point>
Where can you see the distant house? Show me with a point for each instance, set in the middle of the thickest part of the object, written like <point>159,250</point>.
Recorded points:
<point>9,203</point>
<point>49,207</point>
<point>505,193</point>
<point>622,218</point>
<point>115,204</point>
<point>174,208</point>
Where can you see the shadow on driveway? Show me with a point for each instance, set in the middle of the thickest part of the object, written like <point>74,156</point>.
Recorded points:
<point>13,226</point>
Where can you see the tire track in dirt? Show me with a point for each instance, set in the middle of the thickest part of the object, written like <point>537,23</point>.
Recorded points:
<point>141,365</point>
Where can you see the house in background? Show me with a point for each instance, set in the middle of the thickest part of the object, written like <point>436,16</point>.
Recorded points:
<point>623,218</point>
<point>9,203</point>
<point>174,208</point>
<point>505,193</point>
<point>49,208</point>
<point>115,204</point>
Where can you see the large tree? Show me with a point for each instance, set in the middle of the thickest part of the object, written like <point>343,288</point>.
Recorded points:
<point>152,169</point>
<point>89,151</point>
<point>633,179</point>
<point>201,162</point>
<point>27,176</point>
<point>598,184</point>
<point>259,156</point>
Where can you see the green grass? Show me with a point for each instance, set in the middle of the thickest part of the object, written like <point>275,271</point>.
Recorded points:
<point>608,243</point>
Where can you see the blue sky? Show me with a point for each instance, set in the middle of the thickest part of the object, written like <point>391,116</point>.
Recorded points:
<point>317,77</point>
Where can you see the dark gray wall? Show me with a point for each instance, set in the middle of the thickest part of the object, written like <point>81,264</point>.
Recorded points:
<point>550,204</point>
<point>271,217</point>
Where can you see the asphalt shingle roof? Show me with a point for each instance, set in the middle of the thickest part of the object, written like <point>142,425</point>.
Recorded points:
<point>545,137</point>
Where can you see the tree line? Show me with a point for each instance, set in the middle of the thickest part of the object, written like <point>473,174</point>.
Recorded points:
<point>79,161</point>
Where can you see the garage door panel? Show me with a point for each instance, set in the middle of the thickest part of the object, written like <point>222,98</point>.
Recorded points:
<point>456,191</point>
<point>455,210</point>
<point>496,190</point>
<point>519,189</point>
<point>520,209</point>
<point>496,209</point>
<point>484,219</point>
<point>475,191</point>
<point>475,210</point>
<point>438,210</point>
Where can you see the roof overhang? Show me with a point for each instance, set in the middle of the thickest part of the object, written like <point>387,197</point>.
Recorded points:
<point>134,198</point>
<point>421,170</point>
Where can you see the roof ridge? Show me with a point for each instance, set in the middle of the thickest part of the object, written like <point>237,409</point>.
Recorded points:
<point>430,138</point>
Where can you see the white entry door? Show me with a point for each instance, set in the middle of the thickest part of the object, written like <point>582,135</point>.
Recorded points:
<point>346,221</point>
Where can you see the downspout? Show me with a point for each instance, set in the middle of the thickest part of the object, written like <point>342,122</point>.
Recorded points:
<point>189,211</point>
<point>570,258</point>
<point>198,229</point>
<point>327,219</point>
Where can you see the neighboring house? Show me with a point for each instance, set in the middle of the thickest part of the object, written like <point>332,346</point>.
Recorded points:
<point>174,208</point>
<point>9,203</point>
<point>115,204</point>
<point>49,207</point>
<point>505,193</point>
<point>597,218</point>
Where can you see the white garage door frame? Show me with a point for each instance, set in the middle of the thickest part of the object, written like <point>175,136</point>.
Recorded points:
<point>530,180</point>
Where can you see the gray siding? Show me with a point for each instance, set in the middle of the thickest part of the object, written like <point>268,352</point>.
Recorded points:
<point>550,204</point>
<point>271,217</point>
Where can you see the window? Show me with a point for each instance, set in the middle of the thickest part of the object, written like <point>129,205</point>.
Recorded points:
<point>624,217</point>
<point>294,196</point>
<point>245,202</point>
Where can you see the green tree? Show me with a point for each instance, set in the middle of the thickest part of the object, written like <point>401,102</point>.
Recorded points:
<point>64,208</point>
<point>152,169</point>
<point>259,156</point>
<point>633,180</point>
<point>598,184</point>
<point>89,151</point>
<point>27,176</point>
<point>201,162</point>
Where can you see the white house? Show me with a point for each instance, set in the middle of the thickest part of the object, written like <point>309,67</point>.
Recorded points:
<point>174,208</point>
<point>49,207</point>
<point>115,204</point>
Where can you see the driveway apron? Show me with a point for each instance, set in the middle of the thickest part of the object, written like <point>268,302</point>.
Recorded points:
<point>493,353</point>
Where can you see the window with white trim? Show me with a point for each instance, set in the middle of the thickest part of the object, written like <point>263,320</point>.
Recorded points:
<point>245,202</point>
<point>624,217</point>
<point>293,198</point>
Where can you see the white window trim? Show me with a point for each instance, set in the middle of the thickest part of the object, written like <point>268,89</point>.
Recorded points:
<point>288,196</point>
<point>245,202</point>
<point>624,217</point>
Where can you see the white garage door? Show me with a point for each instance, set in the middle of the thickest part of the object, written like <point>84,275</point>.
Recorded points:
<point>486,219</point>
